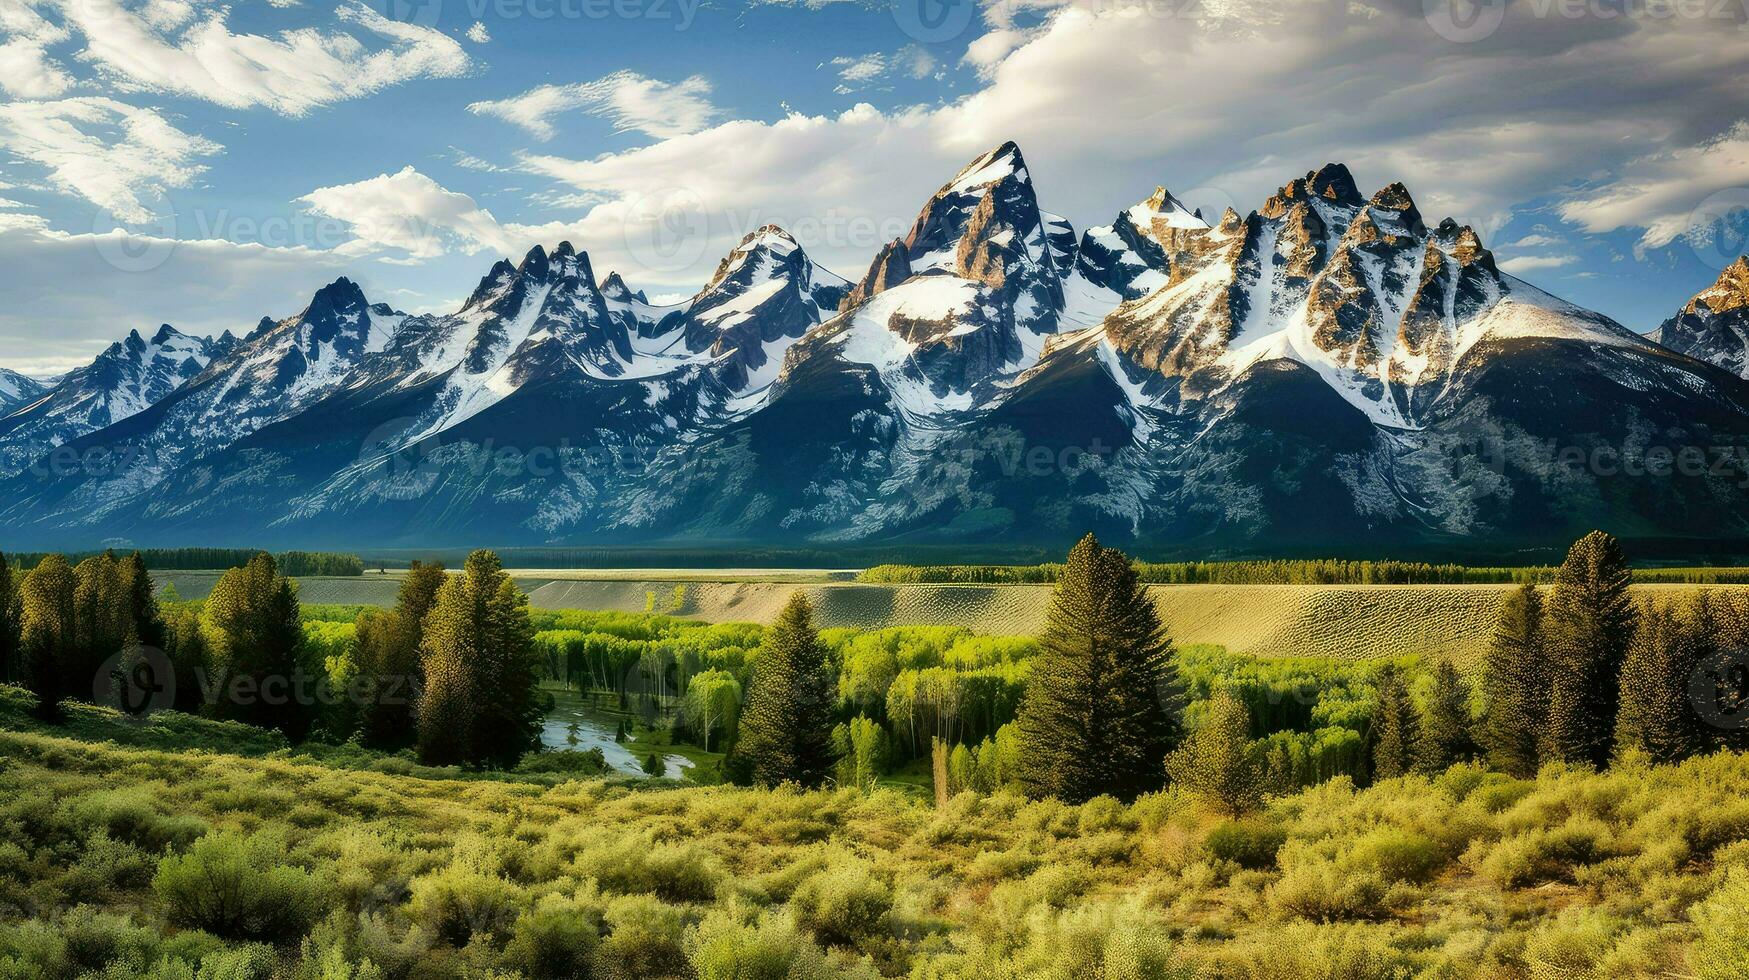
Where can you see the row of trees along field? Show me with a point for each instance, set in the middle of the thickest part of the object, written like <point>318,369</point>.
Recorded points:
<point>1316,572</point>
<point>1103,704</point>
<point>450,671</point>
<point>294,563</point>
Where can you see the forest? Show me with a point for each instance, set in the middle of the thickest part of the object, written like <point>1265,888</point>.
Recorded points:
<point>1095,801</point>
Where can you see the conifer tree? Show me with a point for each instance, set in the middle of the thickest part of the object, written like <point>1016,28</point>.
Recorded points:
<point>446,707</point>
<point>1394,727</point>
<point>1217,760</point>
<point>1588,625</point>
<point>388,647</point>
<point>1096,718</point>
<point>47,632</point>
<point>1443,738</point>
<point>481,700</point>
<point>257,649</point>
<point>186,646</point>
<point>1516,686</point>
<point>786,724</point>
<point>102,624</point>
<point>1666,653</point>
<point>1721,693</point>
<point>145,620</point>
<point>11,665</point>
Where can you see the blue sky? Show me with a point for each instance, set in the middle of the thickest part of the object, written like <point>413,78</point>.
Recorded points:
<point>206,164</point>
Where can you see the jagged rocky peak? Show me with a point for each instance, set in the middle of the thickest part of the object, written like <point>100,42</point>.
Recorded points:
<point>1463,243</point>
<point>1331,183</point>
<point>889,268</point>
<point>1714,325</point>
<point>984,225</point>
<point>615,290</point>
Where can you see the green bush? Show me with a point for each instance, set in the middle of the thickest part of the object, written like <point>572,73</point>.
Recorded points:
<point>1721,950</point>
<point>634,865</point>
<point>240,888</point>
<point>842,903</point>
<point>1248,843</point>
<point>555,939</point>
<point>727,946</point>
<point>464,900</point>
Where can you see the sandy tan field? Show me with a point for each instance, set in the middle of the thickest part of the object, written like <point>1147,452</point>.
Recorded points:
<point>1266,620</point>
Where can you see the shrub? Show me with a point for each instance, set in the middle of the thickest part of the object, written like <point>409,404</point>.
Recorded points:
<point>241,888</point>
<point>644,939</point>
<point>634,865</point>
<point>843,903</point>
<point>555,939</point>
<point>1721,949</point>
<point>727,946</point>
<point>1248,843</point>
<point>463,901</point>
<point>1323,891</point>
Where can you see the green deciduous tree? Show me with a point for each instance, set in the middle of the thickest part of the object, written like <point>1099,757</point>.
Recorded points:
<point>1515,686</point>
<point>389,659</point>
<point>256,642</point>
<point>1444,738</point>
<point>481,701</point>
<point>1588,625</point>
<point>786,723</point>
<point>47,631</point>
<point>1668,648</point>
<point>1394,728</point>
<point>11,666</point>
<point>1217,761</point>
<point>1095,719</point>
<point>713,701</point>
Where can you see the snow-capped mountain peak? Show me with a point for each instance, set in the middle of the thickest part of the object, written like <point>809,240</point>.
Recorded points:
<point>1714,325</point>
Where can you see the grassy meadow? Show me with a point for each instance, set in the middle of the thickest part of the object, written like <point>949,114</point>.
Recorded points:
<point>122,859</point>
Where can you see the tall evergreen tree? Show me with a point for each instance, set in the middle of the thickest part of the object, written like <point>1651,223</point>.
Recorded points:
<point>1668,649</point>
<point>388,644</point>
<point>1722,698</point>
<point>1096,719</point>
<point>1516,686</point>
<point>1588,625</point>
<point>786,724</point>
<point>1394,733</point>
<point>186,647</point>
<point>1218,762</point>
<point>47,631</point>
<point>146,621</point>
<point>1444,738</point>
<point>481,700</point>
<point>103,625</point>
<point>257,649</point>
<point>447,707</point>
<point>11,664</point>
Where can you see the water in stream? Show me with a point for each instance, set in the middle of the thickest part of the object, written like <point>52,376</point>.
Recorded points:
<point>557,730</point>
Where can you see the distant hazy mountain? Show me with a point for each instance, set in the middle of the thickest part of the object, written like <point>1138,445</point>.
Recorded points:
<point>1329,372</point>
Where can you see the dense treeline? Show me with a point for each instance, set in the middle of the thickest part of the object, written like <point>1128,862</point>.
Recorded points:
<point>294,563</point>
<point>1322,572</point>
<point>451,672</point>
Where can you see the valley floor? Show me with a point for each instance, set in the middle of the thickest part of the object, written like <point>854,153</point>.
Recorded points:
<point>1640,872</point>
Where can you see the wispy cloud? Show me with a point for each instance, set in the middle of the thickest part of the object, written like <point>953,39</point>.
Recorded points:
<point>179,48</point>
<point>633,102</point>
<point>104,151</point>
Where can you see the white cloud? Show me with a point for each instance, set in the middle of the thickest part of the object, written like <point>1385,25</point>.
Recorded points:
<point>1225,103</point>
<point>659,109</point>
<point>1662,192</point>
<point>1534,241</point>
<point>1533,263</point>
<point>408,212</point>
<point>109,153</point>
<point>168,46</point>
<point>203,287</point>
<point>26,71</point>
<point>863,69</point>
<point>478,33</point>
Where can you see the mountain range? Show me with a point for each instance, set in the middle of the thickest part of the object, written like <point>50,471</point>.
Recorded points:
<point>1330,372</point>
